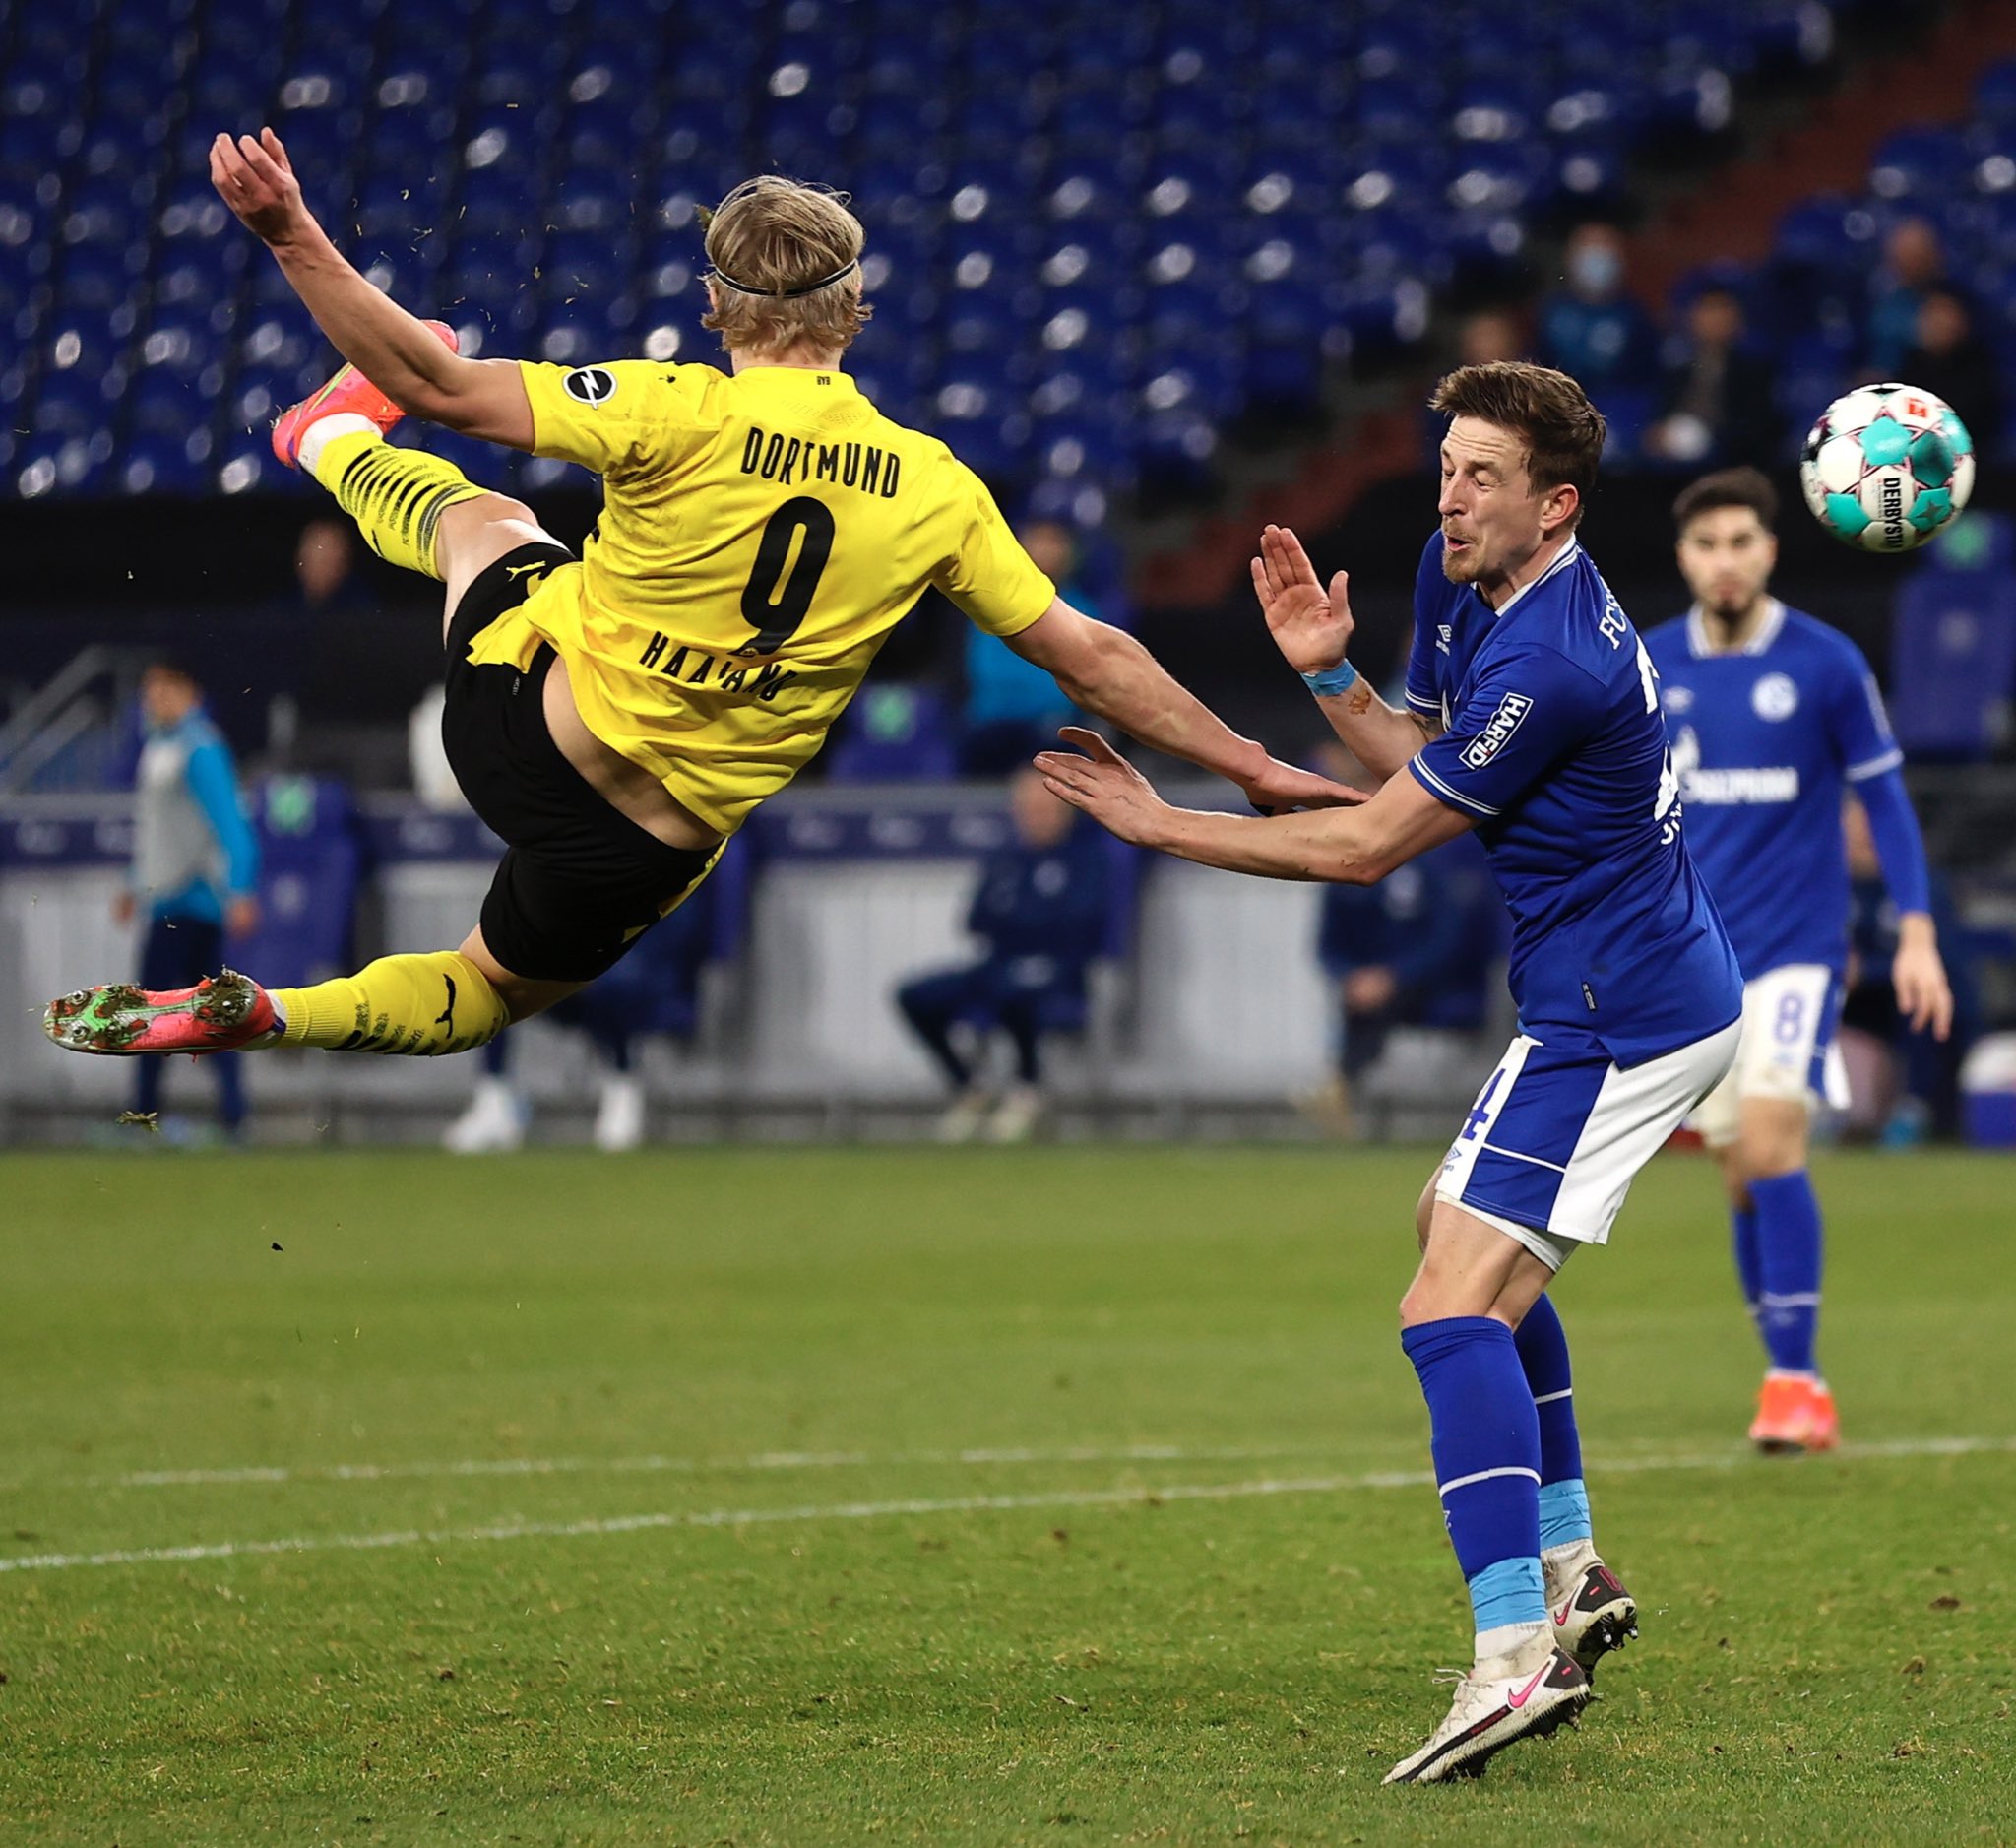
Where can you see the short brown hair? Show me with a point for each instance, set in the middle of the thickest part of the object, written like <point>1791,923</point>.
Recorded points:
<point>1563,432</point>
<point>1729,487</point>
<point>787,262</point>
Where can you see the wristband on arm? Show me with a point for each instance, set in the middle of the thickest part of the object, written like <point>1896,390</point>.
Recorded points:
<point>1332,681</point>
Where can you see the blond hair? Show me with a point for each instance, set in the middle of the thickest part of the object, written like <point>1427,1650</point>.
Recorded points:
<point>787,267</point>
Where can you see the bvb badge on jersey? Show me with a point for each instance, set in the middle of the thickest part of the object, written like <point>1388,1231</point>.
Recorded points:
<point>590,383</point>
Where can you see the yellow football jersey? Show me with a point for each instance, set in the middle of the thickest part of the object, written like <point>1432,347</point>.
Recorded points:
<point>762,531</point>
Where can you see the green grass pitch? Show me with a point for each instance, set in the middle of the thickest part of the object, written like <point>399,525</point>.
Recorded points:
<point>1041,1496</point>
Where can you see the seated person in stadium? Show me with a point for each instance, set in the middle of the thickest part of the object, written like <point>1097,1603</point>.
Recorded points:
<point>617,717</point>
<point>195,861</point>
<point>1716,394</point>
<point>1905,1084</point>
<point>1593,329</point>
<point>1418,949</point>
<point>1013,708</point>
<point>1041,909</point>
<point>656,990</point>
<point>1913,265</point>
<point>1949,359</point>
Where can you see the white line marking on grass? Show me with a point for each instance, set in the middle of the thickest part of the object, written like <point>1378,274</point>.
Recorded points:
<point>687,1465</point>
<point>948,1504</point>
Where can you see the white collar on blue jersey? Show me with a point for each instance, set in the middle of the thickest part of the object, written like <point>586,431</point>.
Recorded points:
<point>1700,644</point>
<point>1564,556</point>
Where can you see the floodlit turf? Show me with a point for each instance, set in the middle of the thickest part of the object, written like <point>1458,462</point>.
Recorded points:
<point>1043,1495</point>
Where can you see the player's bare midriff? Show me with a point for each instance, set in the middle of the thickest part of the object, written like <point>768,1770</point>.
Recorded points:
<point>629,789</point>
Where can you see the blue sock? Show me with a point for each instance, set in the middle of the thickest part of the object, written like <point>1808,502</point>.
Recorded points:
<point>1789,1262</point>
<point>1544,1355</point>
<point>1742,1222</point>
<point>1485,1437</point>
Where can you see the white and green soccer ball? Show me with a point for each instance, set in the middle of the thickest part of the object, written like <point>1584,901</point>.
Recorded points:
<point>1886,467</point>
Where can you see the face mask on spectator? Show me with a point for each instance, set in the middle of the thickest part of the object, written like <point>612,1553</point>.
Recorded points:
<point>1595,271</point>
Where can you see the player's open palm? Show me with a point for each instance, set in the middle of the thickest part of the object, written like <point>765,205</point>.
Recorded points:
<point>257,181</point>
<point>1310,622</point>
<point>1104,783</point>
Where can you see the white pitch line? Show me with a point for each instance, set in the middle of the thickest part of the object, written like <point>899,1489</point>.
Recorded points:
<point>687,1465</point>
<point>950,1504</point>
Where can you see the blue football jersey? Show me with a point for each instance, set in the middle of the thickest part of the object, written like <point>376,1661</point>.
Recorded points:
<point>1555,742</point>
<point>1764,741</point>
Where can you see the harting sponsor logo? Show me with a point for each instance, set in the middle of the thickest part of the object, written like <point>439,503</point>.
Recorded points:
<point>1500,727</point>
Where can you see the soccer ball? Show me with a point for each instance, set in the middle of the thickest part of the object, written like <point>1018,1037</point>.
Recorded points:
<point>1886,467</point>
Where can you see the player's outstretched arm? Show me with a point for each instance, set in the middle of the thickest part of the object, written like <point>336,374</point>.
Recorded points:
<point>1918,974</point>
<point>1342,845</point>
<point>390,346</point>
<point>1109,672</point>
<point>1311,625</point>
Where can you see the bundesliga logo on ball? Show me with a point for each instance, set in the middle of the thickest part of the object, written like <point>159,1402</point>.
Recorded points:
<point>1886,467</point>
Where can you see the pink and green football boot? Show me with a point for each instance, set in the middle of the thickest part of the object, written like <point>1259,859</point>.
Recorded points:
<point>219,1014</point>
<point>350,393</point>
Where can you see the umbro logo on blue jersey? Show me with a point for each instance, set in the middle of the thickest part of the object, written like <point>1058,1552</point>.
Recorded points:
<point>1442,637</point>
<point>1498,730</point>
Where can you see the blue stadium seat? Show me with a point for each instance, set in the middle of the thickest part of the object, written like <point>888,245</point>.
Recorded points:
<point>490,155</point>
<point>104,210</point>
<point>190,211</point>
<point>1994,95</point>
<point>156,463</point>
<point>27,142</point>
<point>311,867</point>
<point>244,463</point>
<point>96,279</point>
<point>231,98</point>
<point>163,404</point>
<point>1953,653</point>
<point>488,267</point>
<point>71,403</point>
<point>1923,165</point>
<point>894,733</point>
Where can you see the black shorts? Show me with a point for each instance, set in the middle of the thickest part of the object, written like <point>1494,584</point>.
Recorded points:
<point>581,880</point>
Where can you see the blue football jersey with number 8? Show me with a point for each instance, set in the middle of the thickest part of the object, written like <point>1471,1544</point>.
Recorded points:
<point>1555,744</point>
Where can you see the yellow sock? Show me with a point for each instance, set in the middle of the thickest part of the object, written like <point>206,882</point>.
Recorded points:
<point>396,1006</point>
<point>394,496</point>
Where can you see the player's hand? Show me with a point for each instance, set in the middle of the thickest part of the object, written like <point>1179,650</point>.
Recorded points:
<point>241,915</point>
<point>1310,626</point>
<point>1924,997</point>
<point>1104,784</point>
<point>1368,990</point>
<point>1280,786</point>
<point>257,181</point>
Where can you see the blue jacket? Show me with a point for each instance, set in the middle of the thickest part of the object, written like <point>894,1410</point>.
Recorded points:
<point>1436,923</point>
<point>192,846</point>
<point>1042,911</point>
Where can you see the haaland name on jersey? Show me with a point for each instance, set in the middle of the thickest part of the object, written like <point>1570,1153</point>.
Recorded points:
<point>695,667</point>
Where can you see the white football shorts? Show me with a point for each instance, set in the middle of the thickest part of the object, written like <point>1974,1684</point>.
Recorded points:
<point>1787,1049</point>
<point>1555,1138</point>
